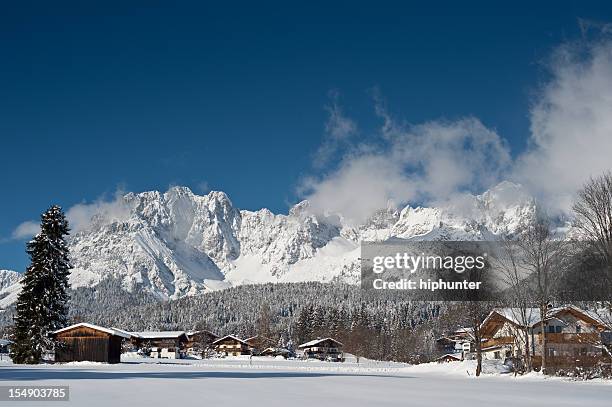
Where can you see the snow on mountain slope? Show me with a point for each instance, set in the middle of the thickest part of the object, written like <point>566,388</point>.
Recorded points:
<point>178,243</point>
<point>8,277</point>
<point>501,210</point>
<point>9,287</point>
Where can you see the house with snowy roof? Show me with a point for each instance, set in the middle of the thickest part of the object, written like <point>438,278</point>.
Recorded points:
<point>231,345</point>
<point>322,349</point>
<point>573,336</point>
<point>161,344</point>
<point>450,357</point>
<point>275,351</point>
<point>460,341</point>
<point>5,345</point>
<point>200,341</point>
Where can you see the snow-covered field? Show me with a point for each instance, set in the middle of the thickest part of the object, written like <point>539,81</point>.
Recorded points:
<point>270,382</point>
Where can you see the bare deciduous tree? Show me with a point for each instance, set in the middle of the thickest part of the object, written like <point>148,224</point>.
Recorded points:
<point>593,219</point>
<point>477,312</point>
<point>543,257</point>
<point>593,211</point>
<point>519,298</point>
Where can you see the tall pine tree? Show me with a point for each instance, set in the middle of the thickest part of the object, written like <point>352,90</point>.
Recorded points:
<point>42,305</point>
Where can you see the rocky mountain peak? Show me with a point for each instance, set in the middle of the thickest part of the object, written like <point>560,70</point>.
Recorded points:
<point>179,243</point>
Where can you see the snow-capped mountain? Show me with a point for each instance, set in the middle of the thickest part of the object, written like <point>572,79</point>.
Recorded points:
<point>178,243</point>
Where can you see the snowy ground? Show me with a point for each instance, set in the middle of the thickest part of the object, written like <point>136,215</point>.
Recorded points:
<point>270,382</point>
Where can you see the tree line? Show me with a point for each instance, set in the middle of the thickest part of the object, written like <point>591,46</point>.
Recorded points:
<point>380,325</point>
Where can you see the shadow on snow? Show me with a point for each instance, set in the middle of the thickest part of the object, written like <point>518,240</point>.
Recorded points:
<point>32,374</point>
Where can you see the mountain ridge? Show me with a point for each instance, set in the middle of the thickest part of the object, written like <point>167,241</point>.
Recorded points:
<point>177,243</point>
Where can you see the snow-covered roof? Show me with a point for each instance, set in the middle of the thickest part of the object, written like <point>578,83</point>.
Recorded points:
<point>602,318</point>
<point>110,331</point>
<point>317,341</point>
<point>532,315</point>
<point>514,315</point>
<point>191,333</point>
<point>122,331</point>
<point>260,338</point>
<point>4,342</point>
<point>231,337</point>
<point>459,335</point>
<point>456,356</point>
<point>158,334</point>
<point>496,347</point>
<point>275,350</point>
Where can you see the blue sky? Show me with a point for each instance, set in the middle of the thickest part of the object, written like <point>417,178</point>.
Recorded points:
<point>96,96</point>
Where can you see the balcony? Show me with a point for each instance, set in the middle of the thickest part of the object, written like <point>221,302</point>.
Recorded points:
<point>503,340</point>
<point>586,338</point>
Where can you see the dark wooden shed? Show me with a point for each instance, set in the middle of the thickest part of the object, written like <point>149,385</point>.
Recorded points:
<point>87,342</point>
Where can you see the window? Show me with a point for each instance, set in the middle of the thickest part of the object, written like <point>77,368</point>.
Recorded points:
<point>558,329</point>
<point>578,329</point>
<point>550,351</point>
<point>551,329</point>
<point>497,355</point>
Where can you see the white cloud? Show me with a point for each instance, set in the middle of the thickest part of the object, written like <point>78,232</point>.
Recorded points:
<point>203,187</point>
<point>450,158</point>
<point>571,125</point>
<point>432,162</point>
<point>26,230</point>
<point>570,141</point>
<point>338,130</point>
<point>84,215</point>
<point>360,186</point>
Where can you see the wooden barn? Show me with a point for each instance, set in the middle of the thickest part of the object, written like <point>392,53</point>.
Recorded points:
<point>87,342</point>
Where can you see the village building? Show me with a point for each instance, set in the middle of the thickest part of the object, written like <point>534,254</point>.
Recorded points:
<point>161,344</point>
<point>199,342</point>
<point>201,336</point>
<point>450,357</point>
<point>274,352</point>
<point>230,345</point>
<point>124,332</point>
<point>88,342</point>
<point>573,335</point>
<point>258,343</point>
<point>5,345</point>
<point>459,342</point>
<point>322,349</point>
